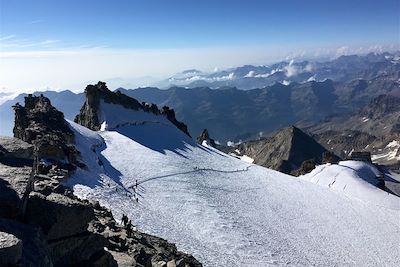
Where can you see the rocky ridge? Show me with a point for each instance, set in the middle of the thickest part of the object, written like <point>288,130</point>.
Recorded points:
<point>42,223</point>
<point>374,128</point>
<point>89,116</point>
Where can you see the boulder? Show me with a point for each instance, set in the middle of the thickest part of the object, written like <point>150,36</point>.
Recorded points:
<point>15,185</point>
<point>330,157</point>
<point>15,148</point>
<point>10,249</point>
<point>306,167</point>
<point>35,251</point>
<point>10,203</point>
<point>63,216</point>
<point>79,250</point>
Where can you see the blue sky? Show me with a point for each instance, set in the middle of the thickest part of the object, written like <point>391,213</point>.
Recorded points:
<point>221,33</point>
<point>177,24</point>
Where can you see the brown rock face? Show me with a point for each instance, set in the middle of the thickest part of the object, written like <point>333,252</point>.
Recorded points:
<point>88,115</point>
<point>285,151</point>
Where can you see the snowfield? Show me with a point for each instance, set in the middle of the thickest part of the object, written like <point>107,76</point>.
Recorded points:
<point>227,212</point>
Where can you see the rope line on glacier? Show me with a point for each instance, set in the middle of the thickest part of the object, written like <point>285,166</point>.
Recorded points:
<point>193,171</point>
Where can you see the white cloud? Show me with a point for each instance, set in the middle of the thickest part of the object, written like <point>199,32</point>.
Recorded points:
<point>8,43</point>
<point>24,67</point>
<point>232,144</point>
<point>342,51</point>
<point>264,75</point>
<point>309,67</point>
<point>250,74</point>
<point>311,79</point>
<point>291,70</point>
<point>8,37</point>
<point>35,21</point>
<point>35,69</point>
<point>46,42</point>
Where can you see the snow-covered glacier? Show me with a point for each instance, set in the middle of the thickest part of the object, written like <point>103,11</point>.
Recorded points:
<point>227,212</point>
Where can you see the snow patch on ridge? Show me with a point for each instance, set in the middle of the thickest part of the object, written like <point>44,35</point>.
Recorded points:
<point>354,179</point>
<point>112,116</point>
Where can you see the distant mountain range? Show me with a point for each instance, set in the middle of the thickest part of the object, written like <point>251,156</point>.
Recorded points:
<point>291,92</point>
<point>232,115</point>
<point>344,68</point>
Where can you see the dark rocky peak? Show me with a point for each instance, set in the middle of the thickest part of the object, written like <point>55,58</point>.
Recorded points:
<point>285,150</point>
<point>88,115</point>
<point>304,147</point>
<point>38,117</point>
<point>206,137</point>
<point>40,124</point>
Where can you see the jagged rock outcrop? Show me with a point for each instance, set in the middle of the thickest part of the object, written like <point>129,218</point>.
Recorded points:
<point>205,136</point>
<point>39,117</point>
<point>284,151</point>
<point>43,126</point>
<point>43,223</point>
<point>89,117</point>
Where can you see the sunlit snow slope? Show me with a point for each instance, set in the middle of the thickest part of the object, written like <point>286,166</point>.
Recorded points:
<point>227,212</point>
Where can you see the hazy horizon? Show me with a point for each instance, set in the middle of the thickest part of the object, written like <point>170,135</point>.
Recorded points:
<point>65,45</point>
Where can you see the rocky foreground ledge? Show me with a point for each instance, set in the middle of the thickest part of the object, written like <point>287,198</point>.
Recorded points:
<point>42,223</point>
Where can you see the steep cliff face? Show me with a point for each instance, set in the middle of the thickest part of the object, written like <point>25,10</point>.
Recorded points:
<point>90,114</point>
<point>42,222</point>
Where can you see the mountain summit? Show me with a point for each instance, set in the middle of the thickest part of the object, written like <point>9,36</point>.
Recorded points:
<point>285,151</point>
<point>101,106</point>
